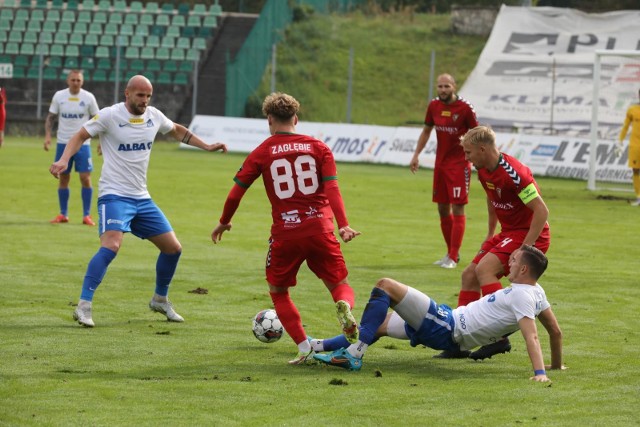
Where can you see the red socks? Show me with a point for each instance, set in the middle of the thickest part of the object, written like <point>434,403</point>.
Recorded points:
<point>466,297</point>
<point>490,288</point>
<point>289,316</point>
<point>344,292</point>
<point>458,225</point>
<point>446,224</point>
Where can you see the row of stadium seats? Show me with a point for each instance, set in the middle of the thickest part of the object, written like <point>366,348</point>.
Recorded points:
<point>86,63</point>
<point>103,18</point>
<point>129,52</point>
<point>116,6</point>
<point>162,77</point>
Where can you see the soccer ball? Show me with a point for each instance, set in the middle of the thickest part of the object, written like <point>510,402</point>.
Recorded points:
<point>267,327</point>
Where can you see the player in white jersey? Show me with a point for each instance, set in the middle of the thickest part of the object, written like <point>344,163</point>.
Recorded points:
<point>73,107</point>
<point>418,318</point>
<point>127,132</point>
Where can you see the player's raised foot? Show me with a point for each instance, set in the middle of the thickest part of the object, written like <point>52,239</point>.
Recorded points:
<point>486,351</point>
<point>448,263</point>
<point>88,221</point>
<point>304,358</point>
<point>342,359</point>
<point>347,321</point>
<point>441,260</point>
<point>59,219</point>
<point>453,354</point>
<point>165,308</point>
<point>82,314</point>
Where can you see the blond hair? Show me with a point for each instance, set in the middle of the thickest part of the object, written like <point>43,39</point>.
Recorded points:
<point>280,105</point>
<point>479,135</point>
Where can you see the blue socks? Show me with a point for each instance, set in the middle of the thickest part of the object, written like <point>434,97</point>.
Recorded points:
<point>63,199</point>
<point>374,314</point>
<point>165,269</point>
<point>87,193</point>
<point>95,272</point>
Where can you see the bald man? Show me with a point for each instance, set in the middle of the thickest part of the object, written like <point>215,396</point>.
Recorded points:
<point>127,132</point>
<point>451,116</point>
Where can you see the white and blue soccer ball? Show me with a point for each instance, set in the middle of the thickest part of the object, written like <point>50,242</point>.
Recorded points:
<point>267,327</point>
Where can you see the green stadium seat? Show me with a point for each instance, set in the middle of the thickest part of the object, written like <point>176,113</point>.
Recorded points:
<point>3,38</point>
<point>181,79</point>
<point>102,52</point>
<point>88,63</point>
<point>57,50</point>
<point>158,30</point>
<point>68,16</point>
<point>76,39</point>
<point>57,4</point>
<point>173,32</point>
<point>200,43</point>
<point>88,5</point>
<point>5,59</point>
<point>35,61</point>
<point>104,5</point>
<point>107,40</point>
<point>137,65</point>
<point>100,18</point>
<point>61,38</point>
<point>103,64</point>
<point>42,49</point>
<point>119,6</point>
<point>84,16</point>
<point>164,78</point>
<point>146,19</point>
<point>71,63</point>
<point>162,53</point>
<point>19,73</point>
<point>178,21</point>
<point>111,29</point>
<point>170,66</point>
<point>95,29</point>
<point>53,16</point>
<point>193,55</point>
<point>51,73</point>
<point>183,43</point>
<point>136,7</point>
<point>153,65</point>
<point>126,29</point>
<point>5,25</point>
<point>6,14</point>
<point>87,51</point>
<point>30,37</point>
<point>163,20</point>
<point>91,40</point>
<point>178,54</point>
<point>194,21</point>
<point>49,27</point>
<point>141,30</point>
<point>122,40</point>
<point>153,41</point>
<point>137,41</point>
<point>41,4</point>
<point>19,26</point>
<point>35,26</point>
<point>186,67</point>
<point>113,74</point>
<point>72,50</point>
<point>169,42</point>
<point>15,37</point>
<point>100,76</point>
<point>27,49</point>
<point>22,15</point>
<point>215,10</point>
<point>147,52</point>
<point>152,7</point>
<point>132,53</point>
<point>80,28</point>
<point>116,18</point>
<point>199,9</point>
<point>64,27</point>
<point>37,15</point>
<point>150,75</point>
<point>32,73</point>
<point>131,18</point>
<point>21,61</point>
<point>189,32</point>
<point>45,37</point>
<point>184,9</point>
<point>167,8</point>
<point>210,21</point>
<point>72,4</point>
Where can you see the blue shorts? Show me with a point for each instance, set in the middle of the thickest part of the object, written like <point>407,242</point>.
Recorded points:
<point>82,159</point>
<point>141,217</point>
<point>436,330</point>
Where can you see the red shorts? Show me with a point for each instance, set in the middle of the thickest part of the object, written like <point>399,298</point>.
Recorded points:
<point>504,244</point>
<point>321,252</point>
<point>451,185</point>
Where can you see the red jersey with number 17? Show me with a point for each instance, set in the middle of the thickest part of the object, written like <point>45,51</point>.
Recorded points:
<point>504,187</point>
<point>293,168</point>
<point>451,121</point>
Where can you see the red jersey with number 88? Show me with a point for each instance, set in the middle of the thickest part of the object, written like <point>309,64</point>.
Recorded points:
<point>294,168</point>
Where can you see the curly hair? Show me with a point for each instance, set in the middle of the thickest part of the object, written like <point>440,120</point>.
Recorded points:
<point>281,106</point>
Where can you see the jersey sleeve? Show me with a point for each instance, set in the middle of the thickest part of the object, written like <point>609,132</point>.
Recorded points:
<point>166,125</point>
<point>524,305</point>
<point>428,118</point>
<point>93,105</point>
<point>250,169</point>
<point>98,124</point>
<point>54,107</point>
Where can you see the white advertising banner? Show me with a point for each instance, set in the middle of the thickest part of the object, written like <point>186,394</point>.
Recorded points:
<point>536,70</point>
<point>565,157</point>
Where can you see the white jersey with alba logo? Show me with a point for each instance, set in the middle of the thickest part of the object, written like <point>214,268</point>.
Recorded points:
<point>73,111</point>
<point>497,315</point>
<point>126,142</point>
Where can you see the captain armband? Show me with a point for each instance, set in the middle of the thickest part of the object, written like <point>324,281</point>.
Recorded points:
<point>187,137</point>
<point>529,193</point>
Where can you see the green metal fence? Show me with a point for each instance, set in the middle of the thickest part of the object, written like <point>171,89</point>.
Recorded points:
<point>245,71</point>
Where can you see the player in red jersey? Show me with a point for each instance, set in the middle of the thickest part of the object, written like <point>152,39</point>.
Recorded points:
<point>452,117</point>
<point>300,178</point>
<point>513,200</point>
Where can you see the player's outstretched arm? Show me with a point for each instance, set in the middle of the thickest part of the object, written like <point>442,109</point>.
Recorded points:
<point>530,334</point>
<point>550,323</point>
<point>230,207</point>
<point>184,135</point>
<point>73,146</point>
